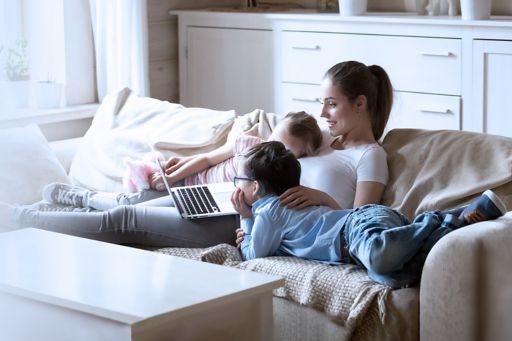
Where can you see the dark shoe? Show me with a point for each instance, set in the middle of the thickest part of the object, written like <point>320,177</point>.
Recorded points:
<point>488,207</point>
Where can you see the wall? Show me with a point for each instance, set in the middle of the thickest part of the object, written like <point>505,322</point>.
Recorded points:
<point>163,43</point>
<point>499,7</point>
<point>163,40</point>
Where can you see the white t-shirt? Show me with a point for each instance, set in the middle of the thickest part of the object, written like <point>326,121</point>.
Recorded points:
<point>337,172</point>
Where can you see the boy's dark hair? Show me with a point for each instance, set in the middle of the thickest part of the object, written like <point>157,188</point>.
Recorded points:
<point>274,166</point>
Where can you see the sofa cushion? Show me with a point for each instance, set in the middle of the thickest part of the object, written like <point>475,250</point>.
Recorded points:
<point>440,169</point>
<point>125,125</point>
<point>28,164</point>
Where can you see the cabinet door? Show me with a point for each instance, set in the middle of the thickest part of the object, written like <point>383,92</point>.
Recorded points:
<point>302,97</point>
<point>229,69</point>
<point>492,63</point>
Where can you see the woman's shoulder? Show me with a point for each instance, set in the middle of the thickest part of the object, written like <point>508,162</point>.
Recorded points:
<point>370,150</point>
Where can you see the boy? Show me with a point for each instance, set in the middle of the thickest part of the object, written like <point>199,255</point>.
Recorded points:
<point>380,239</point>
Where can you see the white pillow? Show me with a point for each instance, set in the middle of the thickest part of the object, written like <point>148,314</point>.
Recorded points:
<point>27,165</point>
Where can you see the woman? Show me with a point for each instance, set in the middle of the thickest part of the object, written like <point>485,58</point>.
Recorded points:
<point>353,172</point>
<point>350,169</point>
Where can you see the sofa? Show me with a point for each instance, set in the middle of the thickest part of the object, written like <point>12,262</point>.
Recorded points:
<point>466,286</point>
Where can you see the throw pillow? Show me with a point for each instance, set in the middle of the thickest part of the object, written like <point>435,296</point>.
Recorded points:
<point>27,165</point>
<point>441,169</point>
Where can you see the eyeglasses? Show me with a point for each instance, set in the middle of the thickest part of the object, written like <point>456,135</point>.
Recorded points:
<point>237,179</point>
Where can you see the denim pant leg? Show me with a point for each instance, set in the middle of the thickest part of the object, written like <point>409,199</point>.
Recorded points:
<point>383,241</point>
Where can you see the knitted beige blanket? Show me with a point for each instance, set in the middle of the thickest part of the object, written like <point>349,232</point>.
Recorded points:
<point>343,292</point>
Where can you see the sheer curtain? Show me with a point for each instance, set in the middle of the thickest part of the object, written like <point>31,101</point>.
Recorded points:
<point>120,41</point>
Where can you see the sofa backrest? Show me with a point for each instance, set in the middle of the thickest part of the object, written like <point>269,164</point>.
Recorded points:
<point>440,169</point>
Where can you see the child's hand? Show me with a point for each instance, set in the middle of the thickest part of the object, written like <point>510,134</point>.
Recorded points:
<point>173,164</point>
<point>239,204</point>
<point>157,183</point>
<point>239,237</point>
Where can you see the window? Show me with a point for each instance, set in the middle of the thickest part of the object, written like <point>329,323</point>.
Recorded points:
<point>46,55</point>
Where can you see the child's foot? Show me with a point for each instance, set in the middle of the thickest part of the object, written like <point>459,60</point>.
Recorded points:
<point>64,194</point>
<point>487,207</point>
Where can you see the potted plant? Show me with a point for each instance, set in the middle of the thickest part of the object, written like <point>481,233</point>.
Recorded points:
<point>16,64</point>
<point>16,70</point>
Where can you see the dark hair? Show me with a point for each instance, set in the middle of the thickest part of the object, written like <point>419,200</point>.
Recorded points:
<point>354,79</point>
<point>304,126</point>
<point>274,166</point>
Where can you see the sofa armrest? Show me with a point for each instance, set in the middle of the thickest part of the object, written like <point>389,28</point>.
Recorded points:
<point>466,286</point>
<point>65,150</point>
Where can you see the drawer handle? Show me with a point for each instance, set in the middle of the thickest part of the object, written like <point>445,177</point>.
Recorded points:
<point>437,54</point>
<point>434,111</point>
<point>309,100</point>
<point>313,48</point>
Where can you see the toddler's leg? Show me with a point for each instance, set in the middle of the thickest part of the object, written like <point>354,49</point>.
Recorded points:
<point>65,194</point>
<point>154,226</point>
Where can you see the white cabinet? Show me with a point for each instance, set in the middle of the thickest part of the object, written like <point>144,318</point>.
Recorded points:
<point>425,73</point>
<point>447,73</point>
<point>492,72</point>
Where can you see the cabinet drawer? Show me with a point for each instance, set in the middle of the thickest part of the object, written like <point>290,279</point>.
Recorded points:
<point>423,111</point>
<point>416,64</point>
<point>302,97</point>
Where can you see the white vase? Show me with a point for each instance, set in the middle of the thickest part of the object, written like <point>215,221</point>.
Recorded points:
<point>421,7</point>
<point>20,91</point>
<point>353,7</point>
<point>475,9</point>
<point>48,95</point>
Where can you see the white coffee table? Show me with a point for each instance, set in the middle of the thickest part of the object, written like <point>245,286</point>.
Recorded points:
<point>59,287</point>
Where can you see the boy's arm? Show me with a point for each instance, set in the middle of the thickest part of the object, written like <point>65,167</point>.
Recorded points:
<point>262,237</point>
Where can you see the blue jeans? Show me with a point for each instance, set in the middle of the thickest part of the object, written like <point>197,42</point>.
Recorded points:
<point>392,249</point>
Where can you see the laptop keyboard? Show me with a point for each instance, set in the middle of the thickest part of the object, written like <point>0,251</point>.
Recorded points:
<point>197,200</point>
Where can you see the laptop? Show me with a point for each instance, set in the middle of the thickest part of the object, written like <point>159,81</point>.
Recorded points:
<point>201,201</point>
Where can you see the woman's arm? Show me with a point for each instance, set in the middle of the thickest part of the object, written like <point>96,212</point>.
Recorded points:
<point>301,197</point>
<point>368,192</point>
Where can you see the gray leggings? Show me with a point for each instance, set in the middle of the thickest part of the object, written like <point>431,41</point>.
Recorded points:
<point>152,223</point>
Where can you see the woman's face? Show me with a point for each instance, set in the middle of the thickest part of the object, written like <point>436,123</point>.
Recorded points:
<point>341,115</point>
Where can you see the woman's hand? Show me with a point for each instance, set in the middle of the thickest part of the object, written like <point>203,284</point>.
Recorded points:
<point>300,197</point>
<point>239,237</point>
<point>239,204</point>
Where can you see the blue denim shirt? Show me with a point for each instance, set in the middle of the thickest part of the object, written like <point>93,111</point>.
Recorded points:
<point>313,232</point>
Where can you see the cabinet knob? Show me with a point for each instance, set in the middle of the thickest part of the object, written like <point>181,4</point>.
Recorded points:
<point>309,100</point>
<point>436,111</point>
<point>313,48</point>
<point>437,54</point>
